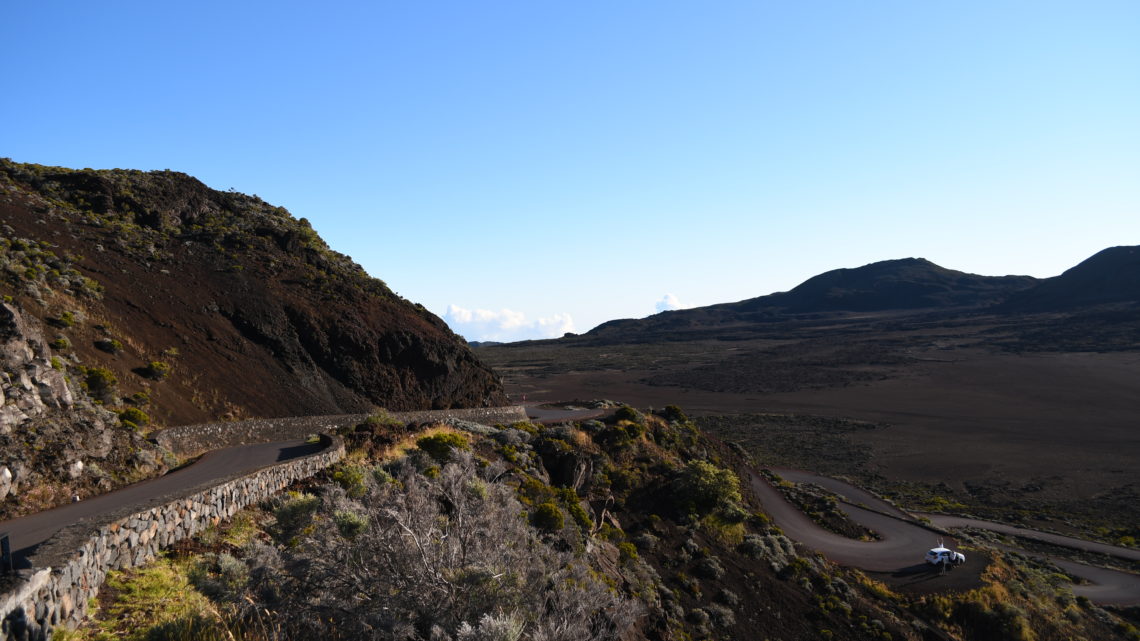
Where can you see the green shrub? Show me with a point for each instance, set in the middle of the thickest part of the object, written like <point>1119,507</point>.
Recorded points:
<point>614,437</point>
<point>66,319</point>
<point>109,345</point>
<point>703,487</point>
<point>627,413</point>
<point>156,370</point>
<point>350,524</point>
<point>548,517</point>
<point>99,381</point>
<point>627,551</point>
<point>574,506</point>
<point>294,514</point>
<point>134,416</point>
<point>439,446</point>
<point>381,418</point>
<point>61,344</point>
<point>674,413</point>
<point>382,476</point>
<point>351,478</point>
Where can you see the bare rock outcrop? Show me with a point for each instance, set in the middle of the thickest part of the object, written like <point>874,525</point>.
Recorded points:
<point>54,441</point>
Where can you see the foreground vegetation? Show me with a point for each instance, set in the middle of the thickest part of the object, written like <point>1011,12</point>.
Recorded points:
<point>637,527</point>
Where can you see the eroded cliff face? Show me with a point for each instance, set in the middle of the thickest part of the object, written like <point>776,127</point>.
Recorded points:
<point>55,441</point>
<point>208,304</point>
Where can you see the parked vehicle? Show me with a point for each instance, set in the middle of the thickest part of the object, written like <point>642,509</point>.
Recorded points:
<point>944,556</point>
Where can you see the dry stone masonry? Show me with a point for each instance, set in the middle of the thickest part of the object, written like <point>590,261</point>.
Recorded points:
<point>70,567</point>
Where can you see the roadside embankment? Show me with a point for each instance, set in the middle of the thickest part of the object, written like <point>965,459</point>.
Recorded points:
<point>69,568</point>
<point>191,440</point>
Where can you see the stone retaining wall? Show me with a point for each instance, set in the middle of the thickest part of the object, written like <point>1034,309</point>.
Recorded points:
<point>190,440</point>
<point>70,567</point>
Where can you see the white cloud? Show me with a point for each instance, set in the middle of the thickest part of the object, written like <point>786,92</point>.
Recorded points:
<point>505,325</point>
<point>668,303</point>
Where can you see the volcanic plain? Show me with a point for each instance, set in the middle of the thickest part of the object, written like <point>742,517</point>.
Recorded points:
<point>1027,417</point>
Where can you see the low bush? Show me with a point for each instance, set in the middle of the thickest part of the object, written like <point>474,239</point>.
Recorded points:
<point>64,320</point>
<point>439,445</point>
<point>133,417</point>
<point>548,517</point>
<point>703,487</point>
<point>351,478</point>
<point>156,370</point>
<point>99,381</point>
<point>349,524</point>
<point>109,345</point>
<point>294,514</point>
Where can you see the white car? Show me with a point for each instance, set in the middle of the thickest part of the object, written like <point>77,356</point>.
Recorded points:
<point>940,555</point>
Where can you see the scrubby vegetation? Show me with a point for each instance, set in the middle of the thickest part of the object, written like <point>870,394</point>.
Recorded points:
<point>637,527</point>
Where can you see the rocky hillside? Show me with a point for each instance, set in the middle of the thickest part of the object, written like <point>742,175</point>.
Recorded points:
<point>56,439</point>
<point>242,308</point>
<point>133,298</point>
<point>637,528</point>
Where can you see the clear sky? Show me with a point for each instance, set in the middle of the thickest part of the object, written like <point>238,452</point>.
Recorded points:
<point>528,168</point>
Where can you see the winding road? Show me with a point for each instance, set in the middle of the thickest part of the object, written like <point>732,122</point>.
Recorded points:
<point>28,532</point>
<point>25,533</point>
<point>560,415</point>
<point>903,539</point>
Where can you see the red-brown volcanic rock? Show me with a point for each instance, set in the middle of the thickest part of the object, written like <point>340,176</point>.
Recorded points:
<point>254,313</point>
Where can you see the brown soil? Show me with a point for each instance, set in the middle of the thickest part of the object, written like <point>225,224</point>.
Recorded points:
<point>254,314</point>
<point>942,406</point>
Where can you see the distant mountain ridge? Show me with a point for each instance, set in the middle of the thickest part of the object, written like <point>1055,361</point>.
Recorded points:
<point>905,283</point>
<point>1111,276</point>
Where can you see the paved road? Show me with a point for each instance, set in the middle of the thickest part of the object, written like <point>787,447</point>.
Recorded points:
<point>558,415</point>
<point>900,547</point>
<point>27,532</point>
<point>903,541</point>
<point>946,521</point>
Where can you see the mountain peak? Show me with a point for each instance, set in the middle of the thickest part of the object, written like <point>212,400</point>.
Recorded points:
<point>1110,276</point>
<point>902,283</point>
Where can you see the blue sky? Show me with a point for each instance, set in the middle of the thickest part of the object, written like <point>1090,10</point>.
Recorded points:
<point>529,168</point>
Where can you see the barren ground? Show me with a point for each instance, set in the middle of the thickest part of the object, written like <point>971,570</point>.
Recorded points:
<point>987,416</point>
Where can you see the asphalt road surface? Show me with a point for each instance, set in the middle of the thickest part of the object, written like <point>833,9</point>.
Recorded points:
<point>25,533</point>
<point>559,415</point>
<point>946,521</point>
<point>903,542</point>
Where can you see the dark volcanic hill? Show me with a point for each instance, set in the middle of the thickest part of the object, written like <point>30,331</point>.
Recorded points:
<point>210,303</point>
<point>1111,276</point>
<point>892,285</point>
<point>907,283</point>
